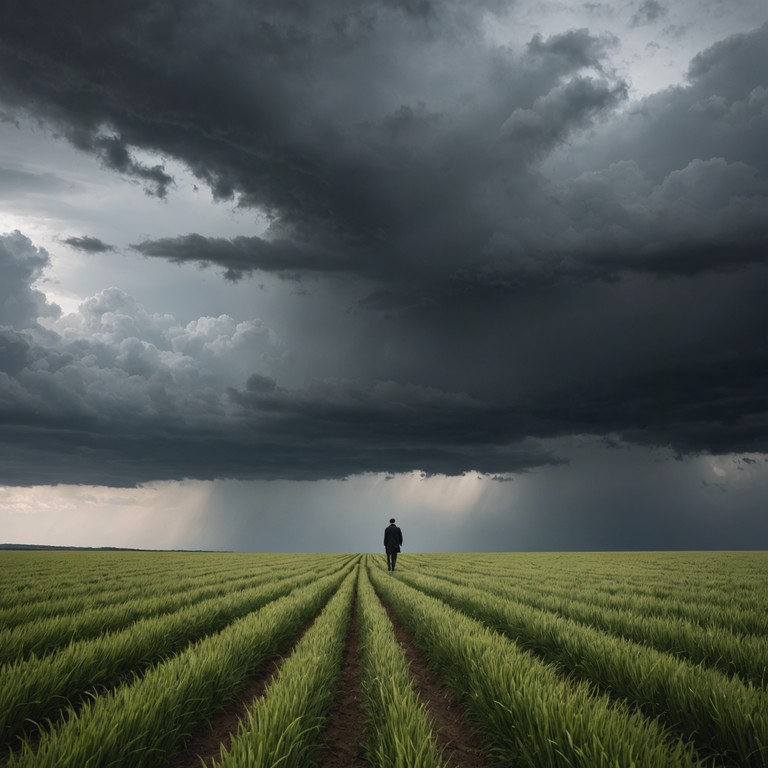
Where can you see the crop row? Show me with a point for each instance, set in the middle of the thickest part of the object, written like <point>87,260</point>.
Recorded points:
<point>542,688</point>
<point>144,721</point>
<point>681,572</point>
<point>47,635</point>
<point>124,590</point>
<point>80,574</point>
<point>718,583</point>
<point>400,732</point>
<point>36,688</point>
<point>528,714</point>
<point>284,727</point>
<point>743,655</point>
<point>156,712</point>
<point>706,614</point>
<point>84,578</point>
<point>719,714</point>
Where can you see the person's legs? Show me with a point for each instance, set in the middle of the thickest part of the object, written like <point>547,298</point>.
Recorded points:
<point>394,560</point>
<point>389,561</point>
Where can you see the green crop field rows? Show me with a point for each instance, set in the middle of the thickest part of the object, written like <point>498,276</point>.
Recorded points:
<point>218,659</point>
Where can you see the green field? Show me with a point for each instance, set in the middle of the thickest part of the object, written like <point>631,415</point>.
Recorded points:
<point>184,659</point>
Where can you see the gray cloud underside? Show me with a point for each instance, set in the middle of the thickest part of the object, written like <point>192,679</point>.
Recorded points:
<point>115,395</point>
<point>243,255</point>
<point>116,409</point>
<point>391,143</point>
<point>395,140</point>
<point>130,418</point>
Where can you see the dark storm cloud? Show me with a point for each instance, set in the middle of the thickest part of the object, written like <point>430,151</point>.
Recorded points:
<point>117,414</point>
<point>114,395</point>
<point>718,405</point>
<point>648,12</point>
<point>518,289</point>
<point>720,113</point>
<point>242,255</point>
<point>557,114</point>
<point>115,154</point>
<point>130,417</point>
<point>391,134</point>
<point>392,138</point>
<point>88,244</point>
<point>394,142</point>
<point>569,51</point>
<point>376,129</point>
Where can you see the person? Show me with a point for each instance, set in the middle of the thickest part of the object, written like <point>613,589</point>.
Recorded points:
<point>393,538</point>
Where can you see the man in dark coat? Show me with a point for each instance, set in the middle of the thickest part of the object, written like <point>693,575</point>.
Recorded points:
<point>393,538</point>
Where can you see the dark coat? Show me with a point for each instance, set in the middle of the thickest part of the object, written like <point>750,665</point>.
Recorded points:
<point>393,538</point>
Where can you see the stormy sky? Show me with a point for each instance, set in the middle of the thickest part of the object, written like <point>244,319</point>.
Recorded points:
<point>273,272</point>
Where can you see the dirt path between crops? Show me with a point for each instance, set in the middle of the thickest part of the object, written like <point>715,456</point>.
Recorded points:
<point>342,745</point>
<point>207,742</point>
<point>461,744</point>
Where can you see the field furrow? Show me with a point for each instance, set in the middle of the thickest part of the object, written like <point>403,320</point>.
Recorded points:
<point>142,724</point>
<point>284,727</point>
<point>527,713</point>
<point>47,635</point>
<point>37,688</point>
<point>733,654</point>
<point>399,729</point>
<point>145,588</point>
<point>130,659</point>
<point>722,715</point>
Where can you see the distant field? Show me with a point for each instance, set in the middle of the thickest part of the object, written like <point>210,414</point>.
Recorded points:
<point>178,659</point>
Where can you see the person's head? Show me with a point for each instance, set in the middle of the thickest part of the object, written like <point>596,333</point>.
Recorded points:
<point>392,520</point>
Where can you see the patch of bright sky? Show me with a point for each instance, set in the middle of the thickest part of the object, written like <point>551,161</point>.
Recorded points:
<point>76,196</point>
<point>733,469</point>
<point>153,516</point>
<point>449,495</point>
<point>651,50</point>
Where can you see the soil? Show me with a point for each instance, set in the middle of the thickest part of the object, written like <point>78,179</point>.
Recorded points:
<point>344,734</point>
<point>462,745</point>
<point>342,745</point>
<point>206,743</point>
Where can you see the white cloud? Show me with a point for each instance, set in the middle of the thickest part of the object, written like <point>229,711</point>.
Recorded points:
<point>21,266</point>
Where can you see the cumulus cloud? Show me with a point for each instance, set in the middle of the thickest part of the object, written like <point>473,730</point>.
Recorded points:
<point>720,112</point>
<point>565,108</point>
<point>373,134</point>
<point>404,147</point>
<point>118,395</point>
<point>115,394</point>
<point>545,257</point>
<point>21,266</point>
